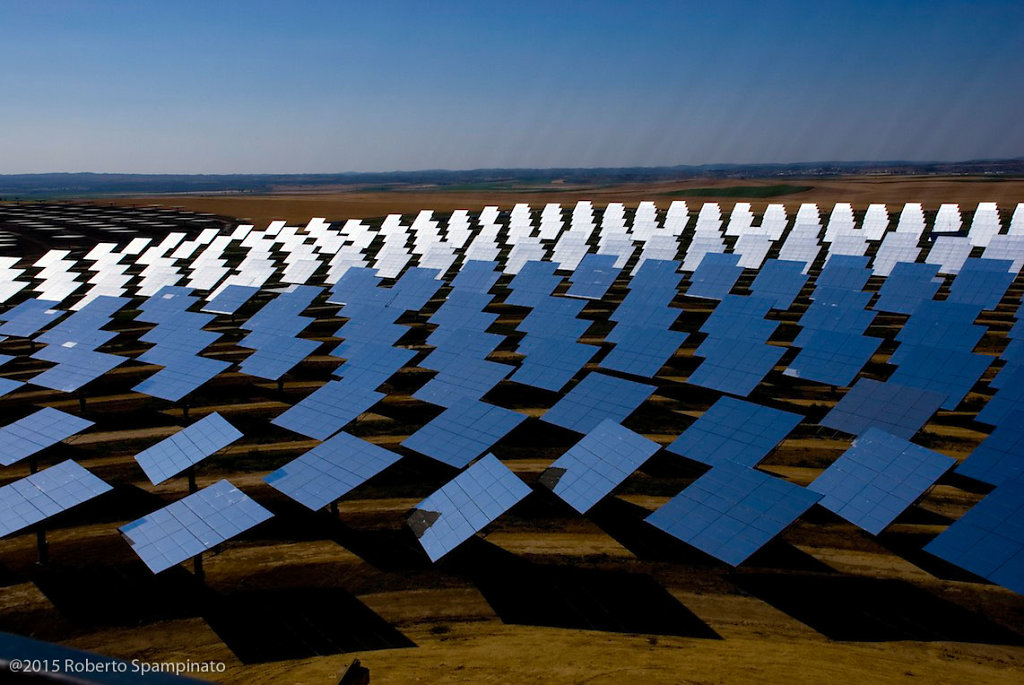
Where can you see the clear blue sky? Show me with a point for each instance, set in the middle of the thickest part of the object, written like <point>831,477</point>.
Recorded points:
<point>217,87</point>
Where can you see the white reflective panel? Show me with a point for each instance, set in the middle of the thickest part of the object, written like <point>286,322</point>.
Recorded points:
<point>911,219</point>
<point>985,224</point>
<point>840,222</point>
<point>1017,220</point>
<point>660,246</point>
<point>774,221</point>
<point>801,245</point>
<point>895,248</point>
<point>947,219</point>
<point>527,250</point>
<point>848,245</point>
<point>1008,247</point>
<point>876,221</point>
<point>949,253</point>
<point>753,249</point>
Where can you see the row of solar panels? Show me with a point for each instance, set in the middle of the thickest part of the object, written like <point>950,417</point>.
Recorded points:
<point>304,251</point>
<point>833,349</point>
<point>729,513</point>
<point>732,326</point>
<point>832,324</point>
<point>68,222</point>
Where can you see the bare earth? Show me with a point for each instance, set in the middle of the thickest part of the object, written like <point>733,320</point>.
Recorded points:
<point>298,206</point>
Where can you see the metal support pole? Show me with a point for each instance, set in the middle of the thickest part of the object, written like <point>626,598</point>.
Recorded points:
<point>42,548</point>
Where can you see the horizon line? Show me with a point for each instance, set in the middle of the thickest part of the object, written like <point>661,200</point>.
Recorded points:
<point>708,165</point>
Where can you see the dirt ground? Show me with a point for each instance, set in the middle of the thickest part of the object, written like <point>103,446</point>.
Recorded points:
<point>298,207</point>
<point>544,594</point>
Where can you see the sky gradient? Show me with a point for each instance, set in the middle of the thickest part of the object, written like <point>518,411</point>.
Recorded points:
<point>251,87</point>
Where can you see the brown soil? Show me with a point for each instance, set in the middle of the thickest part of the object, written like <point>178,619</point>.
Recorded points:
<point>298,207</point>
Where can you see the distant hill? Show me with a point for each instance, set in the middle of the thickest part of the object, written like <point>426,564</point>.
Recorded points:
<point>67,185</point>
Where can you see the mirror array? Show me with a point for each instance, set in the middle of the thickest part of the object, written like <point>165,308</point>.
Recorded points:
<point>607,322</point>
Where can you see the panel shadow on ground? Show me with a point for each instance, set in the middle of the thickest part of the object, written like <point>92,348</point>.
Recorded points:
<point>261,627</point>
<point>119,595</point>
<point>383,548</point>
<point>856,609</point>
<point>524,593</point>
<point>910,546</point>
